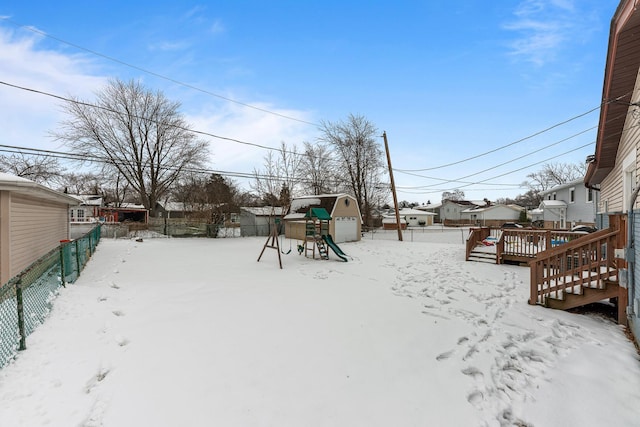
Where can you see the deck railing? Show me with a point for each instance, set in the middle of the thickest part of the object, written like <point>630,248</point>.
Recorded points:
<point>476,235</point>
<point>524,244</point>
<point>587,261</point>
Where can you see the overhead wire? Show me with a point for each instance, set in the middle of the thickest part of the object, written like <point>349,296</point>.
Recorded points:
<point>153,73</point>
<point>116,60</point>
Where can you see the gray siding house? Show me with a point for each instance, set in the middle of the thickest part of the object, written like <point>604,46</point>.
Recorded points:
<point>568,205</point>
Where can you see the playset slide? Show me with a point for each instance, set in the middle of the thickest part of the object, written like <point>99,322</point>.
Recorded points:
<point>329,241</point>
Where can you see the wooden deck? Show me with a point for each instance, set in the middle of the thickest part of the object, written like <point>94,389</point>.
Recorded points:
<point>568,270</point>
<point>519,246</point>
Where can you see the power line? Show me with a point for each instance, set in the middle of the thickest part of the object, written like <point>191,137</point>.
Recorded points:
<point>152,73</point>
<point>504,146</point>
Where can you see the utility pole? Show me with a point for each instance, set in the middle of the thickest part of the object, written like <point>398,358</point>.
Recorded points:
<point>393,187</point>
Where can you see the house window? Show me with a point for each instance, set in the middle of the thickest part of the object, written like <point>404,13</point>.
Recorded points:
<point>589,195</point>
<point>80,215</point>
<point>71,214</point>
<point>572,195</point>
<point>554,196</point>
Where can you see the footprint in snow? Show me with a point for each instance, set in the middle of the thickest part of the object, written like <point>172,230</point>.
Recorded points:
<point>121,341</point>
<point>444,356</point>
<point>96,379</point>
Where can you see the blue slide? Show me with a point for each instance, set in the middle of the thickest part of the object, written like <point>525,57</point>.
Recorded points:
<point>329,241</point>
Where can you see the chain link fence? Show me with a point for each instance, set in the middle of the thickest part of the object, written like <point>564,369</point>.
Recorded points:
<point>26,300</point>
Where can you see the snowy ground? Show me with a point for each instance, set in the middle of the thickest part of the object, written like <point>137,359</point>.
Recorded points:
<point>195,332</point>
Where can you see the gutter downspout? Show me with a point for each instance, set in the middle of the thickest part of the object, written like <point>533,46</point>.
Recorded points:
<point>630,254</point>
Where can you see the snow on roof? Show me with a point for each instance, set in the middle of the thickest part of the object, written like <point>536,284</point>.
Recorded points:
<point>22,185</point>
<point>264,210</point>
<point>303,202</point>
<point>409,211</point>
<point>574,183</point>
<point>88,199</point>
<point>429,206</point>
<point>553,203</point>
<point>488,208</point>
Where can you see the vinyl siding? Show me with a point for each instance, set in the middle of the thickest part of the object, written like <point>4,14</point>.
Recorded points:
<point>36,227</point>
<point>611,189</point>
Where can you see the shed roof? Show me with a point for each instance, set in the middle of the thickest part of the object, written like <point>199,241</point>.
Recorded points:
<point>25,186</point>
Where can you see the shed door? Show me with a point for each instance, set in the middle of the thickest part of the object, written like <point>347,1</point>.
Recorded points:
<point>346,229</point>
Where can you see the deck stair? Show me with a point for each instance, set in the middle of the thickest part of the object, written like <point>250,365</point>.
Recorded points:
<point>482,256</point>
<point>583,295</point>
<point>579,272</point>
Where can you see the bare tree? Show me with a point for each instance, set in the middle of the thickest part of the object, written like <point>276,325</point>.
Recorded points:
<point>354,141</point>
<point>280,171</point>
<point>37,168</point>
<point>317,169</point>
<point>553,174</point>
<point>136,132</point>
<point>455,194</point>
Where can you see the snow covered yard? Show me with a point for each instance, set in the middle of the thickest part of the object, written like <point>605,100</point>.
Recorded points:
<point>195,332</point>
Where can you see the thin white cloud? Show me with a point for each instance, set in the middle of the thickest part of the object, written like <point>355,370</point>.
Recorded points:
<point>248,125</point>
<point>168,46</point>
<point>217,27</point>
<point>28,117</point>
<point>543,29</point>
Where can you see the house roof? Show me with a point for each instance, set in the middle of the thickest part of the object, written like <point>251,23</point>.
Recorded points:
<point>565,185</point>
<point>491,207</point>
<point>300,205</point>
<point>552,204</point>
<point>88,199</point>
<point>408,211</point>
<point>264,210</point>
<point>623,61</point>
<point>25,186</point>
<point>429,206</point>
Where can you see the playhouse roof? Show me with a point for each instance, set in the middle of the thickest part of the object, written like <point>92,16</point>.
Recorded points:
<point>319,213</point>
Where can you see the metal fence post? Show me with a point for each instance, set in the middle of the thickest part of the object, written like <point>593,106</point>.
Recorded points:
<point>23,336</point>
<point>77,257</point>
<point>62,274</point>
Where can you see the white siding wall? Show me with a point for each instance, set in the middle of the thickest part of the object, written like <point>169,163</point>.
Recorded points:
<point>612,187</point>
<point>36,227</point>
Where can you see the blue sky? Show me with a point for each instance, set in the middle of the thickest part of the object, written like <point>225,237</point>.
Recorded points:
<point>447,81</point>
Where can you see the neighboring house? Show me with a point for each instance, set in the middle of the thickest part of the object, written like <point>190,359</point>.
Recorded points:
<point>491,215</point>
<point>614,168</point>
<point>416,218</point>
<point>257,221</point>
<point>451,211</point>
<point>88,209</point>
<point>220,213</point>
<point>346,220</point>
<point>125,212</point>
<point>33,221</point>
<point>568,205</point>
<point>433,208</point>
<point>171,210</point>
